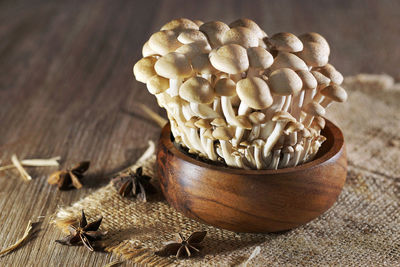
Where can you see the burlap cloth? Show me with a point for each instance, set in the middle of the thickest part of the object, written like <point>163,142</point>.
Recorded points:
<point>361,229</point>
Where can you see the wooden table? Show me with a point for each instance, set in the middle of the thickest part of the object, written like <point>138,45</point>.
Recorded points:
<point>66,89</point>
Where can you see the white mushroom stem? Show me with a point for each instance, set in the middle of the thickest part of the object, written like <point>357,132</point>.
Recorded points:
<point>315,147</point>
<point>267,160</point>
<point>326,102</point>
<point>304,153</point>
<point>297,155</point>
<point>286,158</point>
<point>267,128</point>
<point>308,119</point>
<point>217,106</point>
<point>206,76</point>
<point>243,109</point>
<point>195,140</point>
<point>210,149</point>
<point>255,132</point>
<point>275,159</point>
<point>187,112</point>
<point>292,138</point>
<point>239,161</point>
<point>297,103</point>
<point>203,111</point>
<point>287,104</point>
<point>257,154</point>
<point>308,96</point>
<point>227,110</point>
<point>174,85</point>
<point>227,153</point>
<point>250,158</point>
<point>274,137</point>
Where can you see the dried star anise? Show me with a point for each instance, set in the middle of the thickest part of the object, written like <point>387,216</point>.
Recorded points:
<point>70,177</point>
<point>184,247</point>
<point>134,184</point>
<point>84,233</point>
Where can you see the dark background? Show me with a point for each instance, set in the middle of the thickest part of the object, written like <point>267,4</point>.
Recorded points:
<point>66,88</point>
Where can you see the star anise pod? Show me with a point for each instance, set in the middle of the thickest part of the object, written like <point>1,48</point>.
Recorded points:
<point>134,184</point>
<point>70,177</point>
<point>84,233</point>
<point>184,247</point>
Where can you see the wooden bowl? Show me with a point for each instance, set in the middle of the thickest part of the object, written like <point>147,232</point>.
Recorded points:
<point>253,200</point>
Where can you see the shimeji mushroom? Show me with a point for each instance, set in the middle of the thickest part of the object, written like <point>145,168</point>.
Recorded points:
<point>214,30</point>
<point>298,149</point>
<point>253,93</point>
<point>286,42</point>
<point>218,122</point>
<point>157,85</point>
<point>318,124</point>
<point>288,60</point>
<point>194,135</point>
<point>224,134</point>
<point>315,146</point>
<point>306,137</point>
<point>315,49</point>
<point>147,51</point>
<point>285,82</point>
<point>188,36</point>
<point>312,109</point>
<point>144,69</point>
<point>314,95</point>
<point>225,89</point>
<point>257,118</point>
<point>199,93</point>
<point>276,155</point>
<point>309,84</point>
<point>239,160</point>
<point>164,42</point>
<point>193,49</point>
<point>248,153</point>
<point>281,118</point>
<point>198,22</point>
<point>258,145</point>
<point>179,25</point>
<point>288,152</point>
<point>259,59</point>
<point>291,130</point>
<point>201,64</point>
<point>203,125</point>
<point>241,36</point>
<point>248,23</point>
<point>210,150</point>
<point>329,71</point>
<point>333,93</point>
<point>175,67</point>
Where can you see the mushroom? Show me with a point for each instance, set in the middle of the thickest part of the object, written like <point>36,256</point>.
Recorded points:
<point>318,124</point>
<point>226,88</point>
<point>239,160</point>
<point>286,42</point>
<point>276,155</point>
<point>157,84</point>
<point>198,92</point>
<point>314,94</point>
<point>164,42</point>
<point>309,84</point>
<point>201,64</point>
<point>287,155</point>
<point>281,118</point>
<point>333,93</point>
<point>210,151</point>
<point>194,135</point>
<point>315,49</point>
<point>175,67</point>
<point>248,23</point>
<point>241,36</point>
<point>315,146</point>
<point>188,36</point>
<point>231,58</point>
<point>249,154</point>
<point>258,145</point>
<point>224,134</point>
<point>203,125</point>
<point>179,25</point>
<point>312,109</point>
<point>285,82</point>
<point>306,137</point>
<point>193,49</point>
<point>329,71</point>
<point>147,51</point>
<point>198,22</point>
<point>298,149</point>
<point>288,60</point>
<point>257,118</point>
<point>144,69</point>
<point>214,30</point>
<point>218,122</point>
<point>259,59</point>
<point>291,130</point>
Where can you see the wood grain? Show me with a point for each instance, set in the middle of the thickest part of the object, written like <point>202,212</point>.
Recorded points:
<point>253,200</point>
<point>66,89</point>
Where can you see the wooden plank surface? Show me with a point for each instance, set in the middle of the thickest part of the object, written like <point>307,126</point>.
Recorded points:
<point>66,88</point>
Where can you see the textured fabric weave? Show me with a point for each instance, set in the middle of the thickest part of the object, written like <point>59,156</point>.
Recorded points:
<point>361,229</point>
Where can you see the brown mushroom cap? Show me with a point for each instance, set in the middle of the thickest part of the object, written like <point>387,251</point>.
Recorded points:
<point>288,149</point>
<point>329,71</point>
<point>179,25</point>
<point>208,134</point>
<point>164,42</point>
<point>313,37</point>
<point>283,116</point>
<point>197,90</point>
<point>293,126</point>
<point>321,79</point>
<point>173,66</point>
<point>193,49</point>
<point>286,42</point>
<point>257,117</point>
<point>214,30</point>
<point>218,122</point>
<point>157,84</point>
<point>225,87</point>
<point>147,51</point>
<point>314,109</point>
<point>318,122</point>
<point>259,57</point>
<point>254,92</point>
<point>315,49</point>
<point>241,36</point>
<point>198,22</point>
<point>201,64</point>
<point>223,133</point>
<point>231,58</point>
<point>288,60</point>
<point>309,81</point>
<point>144,69</point>
<point>334,92</point>
<point>248,23</point>
<point>285,82</point>
<point>191,123</point>
<point>243,121</point>
<point>203,123</point>
<point>188,36</point>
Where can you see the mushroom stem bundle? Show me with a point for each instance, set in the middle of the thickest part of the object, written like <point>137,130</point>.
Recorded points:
<point>235,95</point>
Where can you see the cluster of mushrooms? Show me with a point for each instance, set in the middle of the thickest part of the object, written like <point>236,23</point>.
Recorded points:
<point>236,95</point>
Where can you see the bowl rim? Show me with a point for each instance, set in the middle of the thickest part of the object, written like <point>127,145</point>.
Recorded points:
<point>334,150</point>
